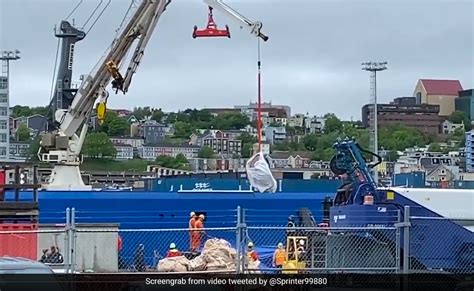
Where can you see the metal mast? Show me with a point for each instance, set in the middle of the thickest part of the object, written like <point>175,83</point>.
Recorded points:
<point>373,68</point>
<point>6,57</point>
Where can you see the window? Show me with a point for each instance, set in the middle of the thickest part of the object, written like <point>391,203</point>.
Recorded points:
<point>3,137</point>
<point>3,151</point>
<point>3,124</point>
<point>3,83</point>
<point>3,98</point>
<point>418,98</point>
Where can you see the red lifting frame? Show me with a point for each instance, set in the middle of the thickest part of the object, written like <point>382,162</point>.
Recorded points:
<point>211,29</point>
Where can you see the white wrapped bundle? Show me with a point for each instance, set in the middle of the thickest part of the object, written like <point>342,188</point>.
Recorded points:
<point>259,174</point>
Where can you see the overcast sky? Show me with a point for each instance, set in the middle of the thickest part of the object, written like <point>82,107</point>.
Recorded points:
<point>312,61</point>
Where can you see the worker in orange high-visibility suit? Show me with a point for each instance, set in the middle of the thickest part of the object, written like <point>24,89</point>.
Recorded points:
<point>197,233</point>
<point>279,256</point>
<point>192,221</point>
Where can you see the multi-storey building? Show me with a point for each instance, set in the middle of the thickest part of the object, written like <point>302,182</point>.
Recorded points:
<point>154,132</point>
<point>448,127</point>
<point>152,151</point>
<point>405,111</point>
<point>283,159</point>
<point>469,151</point>
<point>275,135</point>
<point>438,92</point>
<point>223,144</point>
<point>4,120</point>
<point>296,120</point>
<point>465,103</point>
<point>124,151</point>
<point>135,142</point>
<point>19,150</point>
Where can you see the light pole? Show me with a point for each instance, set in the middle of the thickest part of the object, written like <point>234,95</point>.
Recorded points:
<point>373,68</point>
<point>6,57</point>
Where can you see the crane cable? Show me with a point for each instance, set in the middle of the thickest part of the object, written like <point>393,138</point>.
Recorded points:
<point>51,93</point>
<point>259,96</point>
<point>100,14</point>
<point>92,14</point>
<point>74,9</point>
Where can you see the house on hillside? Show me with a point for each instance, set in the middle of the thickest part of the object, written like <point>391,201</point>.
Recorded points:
<point>285,159</point>
<point>448,127</point>
<point>438,92</point>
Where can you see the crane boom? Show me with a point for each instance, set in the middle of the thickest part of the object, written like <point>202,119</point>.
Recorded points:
<point>255,27</point>
<point>63,147</point>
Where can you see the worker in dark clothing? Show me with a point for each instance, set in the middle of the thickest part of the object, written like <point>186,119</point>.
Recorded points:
<point>302,252</point>
<point>291,226</point>
<point>55,256</point>
<point>45,256</point>
<point>139,259</point>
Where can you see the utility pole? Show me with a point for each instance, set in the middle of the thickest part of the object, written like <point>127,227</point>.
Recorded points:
<point>373,68</point>
<point>5,57</point>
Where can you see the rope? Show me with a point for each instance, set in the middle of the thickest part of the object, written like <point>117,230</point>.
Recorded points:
<point>92,14</point>
<point>100,14</point>
<point>132,5</point>
<point>54,73</point>
<point>75,8</point>
<point>259,102</point>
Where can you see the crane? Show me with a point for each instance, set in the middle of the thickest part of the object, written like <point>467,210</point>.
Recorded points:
<point>62,147</point>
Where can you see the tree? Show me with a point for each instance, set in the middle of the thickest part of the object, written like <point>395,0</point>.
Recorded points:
<point>32,154</point>
<point>206,153</point>
<point>229,121</point>
<point>434,147</point>
<point>247,150</point>
<point>460,117</point>
<point>284,146</point>
<point>399,137</point>
<point>310,141</point>
<point>19,110</point>
<point>182,129</point>
<point>98,145</point>
<point>179,162</point>
<point>141,112</point>
<point>248,141</point>
<point>23,133</point>
<point>118,126</point>
<point>157,115</point>
<point>332,123</point>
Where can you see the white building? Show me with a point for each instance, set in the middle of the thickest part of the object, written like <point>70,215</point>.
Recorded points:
<point>124,151</point>
<point>448,127</point>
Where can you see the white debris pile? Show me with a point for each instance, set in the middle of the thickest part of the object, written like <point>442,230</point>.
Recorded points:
<point>217,254</point>
<point>173,264</point>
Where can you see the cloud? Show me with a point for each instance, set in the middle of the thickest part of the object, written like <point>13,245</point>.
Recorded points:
<point>311,62</point>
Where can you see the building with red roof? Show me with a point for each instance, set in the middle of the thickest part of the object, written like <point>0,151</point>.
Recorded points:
<point>438,92</point>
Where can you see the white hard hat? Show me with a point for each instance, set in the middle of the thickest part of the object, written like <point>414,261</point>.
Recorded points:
<point>280,245</point>
<point>250,244</point>
<point>172,246</point>
<point>192,214</point>
<point>301,242</point>
<point>202,216</point>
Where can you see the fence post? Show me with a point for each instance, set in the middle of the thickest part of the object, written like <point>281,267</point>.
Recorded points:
<point>398,241</point>
<point>406,240</point>
<point>238,239</point>
<point>405,225</point>
<point>67,241</point>
<point>73,240</point>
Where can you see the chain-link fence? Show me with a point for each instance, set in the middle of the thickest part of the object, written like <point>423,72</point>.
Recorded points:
<point>440,245</point>
<point>323,249</point>
<point>46,243</point>
<point>254,242</point>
